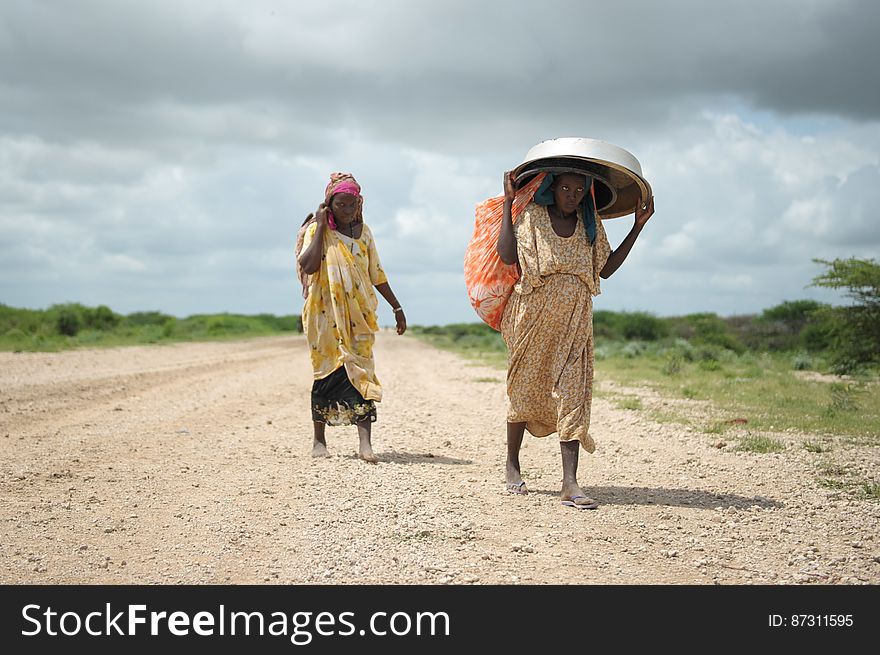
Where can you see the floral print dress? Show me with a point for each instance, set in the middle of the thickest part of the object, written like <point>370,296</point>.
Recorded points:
<point>339,321</point>
<point>548,327</point>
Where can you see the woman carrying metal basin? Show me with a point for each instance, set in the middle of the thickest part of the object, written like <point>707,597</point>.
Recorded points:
<point>556,240</point>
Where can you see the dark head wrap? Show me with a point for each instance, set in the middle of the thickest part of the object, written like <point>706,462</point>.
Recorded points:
<point>544,196</point>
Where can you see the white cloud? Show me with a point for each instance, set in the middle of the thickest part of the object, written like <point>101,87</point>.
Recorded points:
<point>123,264</point>
<point>809,217</point>
<point>677,245</point>
<point>162,155</point>
<point>739,282</point>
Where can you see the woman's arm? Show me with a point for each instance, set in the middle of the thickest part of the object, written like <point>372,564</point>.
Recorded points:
<point>506,246</point>
<point>310,258</point>
<point>388,294</point>
<point>618,256</point>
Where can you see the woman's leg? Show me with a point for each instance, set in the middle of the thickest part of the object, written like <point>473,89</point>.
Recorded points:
<point>570,452</point>
<point>571,490</point>
<point>365,448</point>
<point>515,432</point>
<point>319,443</point>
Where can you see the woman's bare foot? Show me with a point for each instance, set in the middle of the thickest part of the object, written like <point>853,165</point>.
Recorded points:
<point>515,483</point>
<point>365,452</point>
<point>319,441</point>
<point>365,448</point>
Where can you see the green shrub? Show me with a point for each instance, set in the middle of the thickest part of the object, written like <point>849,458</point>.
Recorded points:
<point>802,362</point>
<point>633,349</point>
<point>793,313</point>
<point>710,365</point>
<point>68,320</point>
<point>89,337</point>
<point>789,326</point>
<point>289,323</point>
<point>642,326</point>
<point>712,330</point>
<point>707,353</point>
<point>673,363</point>
<point>169,327</point>
<point>758,334</point>
<point>602,351</point>
<point>28,321</point>
<point>684,348</point>
<point>606,325</point>
<point>844,397</point>
<point>706,329</point>
<point>228,324</point>
<point>150,333</point>
<point>101,318</point>
<point>818,333</point>
<point>15,333</point>
<point>138,319</point>
<point>73,324</point>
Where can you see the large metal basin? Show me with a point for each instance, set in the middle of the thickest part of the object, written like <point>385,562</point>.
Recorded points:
<point>620,187</point>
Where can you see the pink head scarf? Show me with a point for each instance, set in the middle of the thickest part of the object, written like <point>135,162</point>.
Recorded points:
<point>343,183</point>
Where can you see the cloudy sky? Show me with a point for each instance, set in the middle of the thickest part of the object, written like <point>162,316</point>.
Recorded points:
<point>161,155</point>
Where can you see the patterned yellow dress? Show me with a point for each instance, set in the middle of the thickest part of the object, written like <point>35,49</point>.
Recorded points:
<point>548,327</point>
<point>339,321</point>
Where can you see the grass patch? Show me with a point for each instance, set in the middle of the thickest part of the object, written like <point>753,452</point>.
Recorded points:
<point>716,427</point>
<point>630,402</point>
<point>760,387</point>
<point>844,397</point>
<point>865,489</point>
<point>871,490</point>
<point>673,364</point>
<point>488,380</point>
<point>813,447</point>
<point>690,393</point>
<point>759,444</point>
<point>831,483</point>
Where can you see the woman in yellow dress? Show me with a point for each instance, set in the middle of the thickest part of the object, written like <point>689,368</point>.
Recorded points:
<point>339,266</point>
<point>561,249</point>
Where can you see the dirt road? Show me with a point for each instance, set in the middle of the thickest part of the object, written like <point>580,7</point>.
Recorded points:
<point>190,464</point>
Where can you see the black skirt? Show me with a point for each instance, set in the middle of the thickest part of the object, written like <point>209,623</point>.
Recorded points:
<point>335,401</point>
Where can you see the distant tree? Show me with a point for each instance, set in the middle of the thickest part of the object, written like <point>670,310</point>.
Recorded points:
<point>606,324</point>
<point>791,325</point>
<point>642,326</point>
<point>139,319</point>
<point>707,328</point>
<point>854,329</point>
<point>793,313</point>
<point>68,320</point>
<point>102,318</point>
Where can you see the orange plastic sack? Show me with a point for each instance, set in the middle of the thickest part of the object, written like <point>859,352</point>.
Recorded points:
<point>490,281</point>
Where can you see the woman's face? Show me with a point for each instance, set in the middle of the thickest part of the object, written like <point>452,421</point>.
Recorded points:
<point>569,190</point>
<point>344,207</point>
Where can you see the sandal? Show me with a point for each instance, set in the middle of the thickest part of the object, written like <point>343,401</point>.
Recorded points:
<point>580,502</point>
